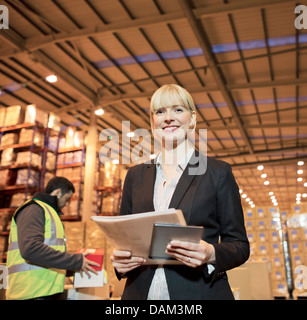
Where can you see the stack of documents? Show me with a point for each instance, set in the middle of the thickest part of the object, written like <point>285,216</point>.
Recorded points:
<point>133,232</point>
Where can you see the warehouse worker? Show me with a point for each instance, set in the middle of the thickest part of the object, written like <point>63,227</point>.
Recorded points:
<point>37,259</point>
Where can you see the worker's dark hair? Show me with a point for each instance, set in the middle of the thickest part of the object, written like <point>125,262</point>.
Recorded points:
<point>59,182</point>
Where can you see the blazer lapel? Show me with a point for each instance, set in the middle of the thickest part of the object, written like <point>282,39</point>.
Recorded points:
<point>185,181</point>
<point>148,183</point>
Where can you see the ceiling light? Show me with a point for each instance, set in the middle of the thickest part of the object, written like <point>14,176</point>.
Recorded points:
<point>115,161</point>
<point>300,171</point>
<point>244,195</point>
<point>130,134</point>
<point>304,195</point>
<point>251,202</point>
<point>252,205</point>
<point>275,204</point>
<point>298,194</point>
<point>299,179</point>
<point>271,193</point>
<point>305,184</point>
<point>152,156</point>
<point>264,175</point>
<point>272,197</point>
<point>247,199</point>
<point>99,112</point>
<point>240,190</point>
<point>300,163</point>
<point>52,78</point>
<point>260,167</point>
<point>298,201</point>
<point>267,182</point>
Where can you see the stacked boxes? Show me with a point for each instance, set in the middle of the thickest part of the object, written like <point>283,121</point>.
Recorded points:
<point>297,235</point>
<point>89,235</point>
<point>34,114</point>
<point>74,234</point>
<point>13,115</point>
<point>264,231</point>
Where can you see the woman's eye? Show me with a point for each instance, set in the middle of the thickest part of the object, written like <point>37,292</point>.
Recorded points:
<point>159,111</point>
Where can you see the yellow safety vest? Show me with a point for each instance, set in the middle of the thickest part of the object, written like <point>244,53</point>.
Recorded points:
<point>26,280</point>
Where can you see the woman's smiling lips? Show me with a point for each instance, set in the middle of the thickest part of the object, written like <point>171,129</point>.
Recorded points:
<point>170,128</point>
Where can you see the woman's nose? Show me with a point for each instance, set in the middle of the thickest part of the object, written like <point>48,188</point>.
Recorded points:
<point>168,115</point>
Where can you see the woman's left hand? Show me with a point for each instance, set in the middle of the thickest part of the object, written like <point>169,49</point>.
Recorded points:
<point>191,254</point>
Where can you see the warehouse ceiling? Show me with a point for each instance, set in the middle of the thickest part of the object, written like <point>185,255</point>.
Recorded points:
<point>244,63</point>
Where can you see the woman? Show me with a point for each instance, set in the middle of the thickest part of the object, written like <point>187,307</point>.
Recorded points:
<point>210,199</point>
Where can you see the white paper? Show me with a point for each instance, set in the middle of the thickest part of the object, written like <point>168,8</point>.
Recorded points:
<point>86,282</point>
<point>133,232</point>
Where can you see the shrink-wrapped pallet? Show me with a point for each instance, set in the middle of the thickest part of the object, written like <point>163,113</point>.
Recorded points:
<point>9,139</point>
<point>70,132</point>
<point>50,161</point>
<point>28,158</point>
<point>26,136</point>
<point>29,177</point>
<point>74,234</point>
<point>33,114</point>
<point>2,116</point>
<point>54,122</point>
<point>8,157</point>
<point>14,115</point>
<point>17,199</point>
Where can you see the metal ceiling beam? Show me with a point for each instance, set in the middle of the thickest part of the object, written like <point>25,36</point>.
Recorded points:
<point>253,165</point>
<point>254,126</point>
<point>210,88</point>
<point>203,41</point>
<point>17,42</point>
<point>38,42</point>
<point>235,6</point>
<point>258,153</point>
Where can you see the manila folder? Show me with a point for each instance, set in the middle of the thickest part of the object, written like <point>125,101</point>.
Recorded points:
<point>133,232</point>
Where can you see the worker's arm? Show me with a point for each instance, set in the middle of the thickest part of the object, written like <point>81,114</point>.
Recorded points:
<point>30,226</point>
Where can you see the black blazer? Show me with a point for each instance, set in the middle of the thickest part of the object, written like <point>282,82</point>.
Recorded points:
<point>210,199</point>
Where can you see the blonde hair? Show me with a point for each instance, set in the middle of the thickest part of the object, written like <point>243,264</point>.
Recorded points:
<point>168,94</point>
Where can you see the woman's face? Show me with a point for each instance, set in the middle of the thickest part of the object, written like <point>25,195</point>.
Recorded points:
<point>172,122</point>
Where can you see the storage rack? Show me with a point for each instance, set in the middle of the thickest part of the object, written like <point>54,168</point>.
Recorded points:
<point>71,164</point>
<point>27,188</point>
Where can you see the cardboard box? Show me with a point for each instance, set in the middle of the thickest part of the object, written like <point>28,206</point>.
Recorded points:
<point>99,280</point>
<point>14,115</point>
<point>260,212</point>
<point>249,214</point>
<point>277,261</point>
<point>54,122</point>
<point>262,236</point>
<point>274,236</point>
<point>250,224</point>
<point>74,233</point>
<point>33,114</point>
<point>8,139</point>
<point>294,234</point>
<point>276,248</point>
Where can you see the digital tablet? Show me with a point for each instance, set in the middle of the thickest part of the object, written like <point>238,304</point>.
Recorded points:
<point>163,234</point>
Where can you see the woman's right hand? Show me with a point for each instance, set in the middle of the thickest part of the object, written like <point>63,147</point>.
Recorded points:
<point>124,262</point>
